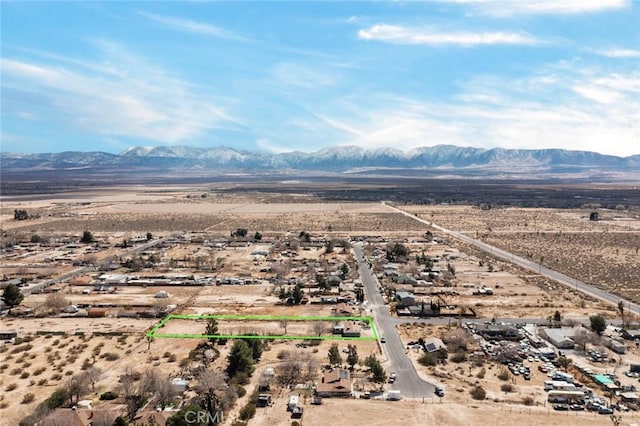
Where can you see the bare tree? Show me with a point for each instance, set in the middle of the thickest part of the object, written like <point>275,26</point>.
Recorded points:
<point>77,386</point>
<point>164,391</point>
<point>93,374</point>
<point>319,327</point>
<point>289,373</point>
<point>582,337</point>
<point>284,324</point>
<point>56,302</point>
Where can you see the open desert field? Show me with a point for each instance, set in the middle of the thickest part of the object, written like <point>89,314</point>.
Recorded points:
<point>604,252</point>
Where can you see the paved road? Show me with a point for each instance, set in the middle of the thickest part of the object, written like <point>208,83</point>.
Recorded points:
<point>531,266</point>
<point>407,381</point>
<point>66,276</point>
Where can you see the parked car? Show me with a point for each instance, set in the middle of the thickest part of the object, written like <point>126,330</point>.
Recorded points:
<point>605,410</point>
<point>561,407</point>
<point>576,407</point>
<point>439,392</point>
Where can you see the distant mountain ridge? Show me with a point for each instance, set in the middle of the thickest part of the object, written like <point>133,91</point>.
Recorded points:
<point>344,158</point>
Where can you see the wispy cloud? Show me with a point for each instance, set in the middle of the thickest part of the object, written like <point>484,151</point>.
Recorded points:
<point>615,52</point>
<point>398,34</point>
<point>541,7</point>
<point>124,96</point>
<point>585,110</point>
<point>190,26</point>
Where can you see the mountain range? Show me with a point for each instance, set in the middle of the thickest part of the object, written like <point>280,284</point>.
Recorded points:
<point>335,159</point>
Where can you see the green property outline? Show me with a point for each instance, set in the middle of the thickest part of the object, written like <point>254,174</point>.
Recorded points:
<point>153,333</point>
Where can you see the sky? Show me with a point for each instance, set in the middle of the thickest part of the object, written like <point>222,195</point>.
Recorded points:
<point>304,75</point>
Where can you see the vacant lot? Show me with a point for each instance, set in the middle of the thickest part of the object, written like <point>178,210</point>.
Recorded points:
<point>604,253</point>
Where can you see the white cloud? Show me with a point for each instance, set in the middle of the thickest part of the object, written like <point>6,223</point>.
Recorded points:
<point>540,7</point>
<point>579,110</point>
<point>136,100</point>
<point>397,34</point>
<point>187,25</point>
<point>617,53</point>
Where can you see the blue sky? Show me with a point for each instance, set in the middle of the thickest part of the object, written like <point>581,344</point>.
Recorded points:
<point>303,75</point>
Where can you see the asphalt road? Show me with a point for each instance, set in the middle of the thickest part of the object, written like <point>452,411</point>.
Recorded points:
<point>531,266</point>
<point>407,380</point>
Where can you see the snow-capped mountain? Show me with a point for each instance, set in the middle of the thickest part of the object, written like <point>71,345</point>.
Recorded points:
<point>332,159</point>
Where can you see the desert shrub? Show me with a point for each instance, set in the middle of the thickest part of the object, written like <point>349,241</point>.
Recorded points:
<point>481,373</point>
<point>241,392</point>
<point>172,358</point>
<point>283,354</point>
<point>57,399</point>
<point>248,411</point>
<point>16,371</point>
<point>11,387</point>
<point>68,373</point>
<point>478,362</point>
<point>56,376</point>
<point>503,375</point>
<point>42,382</point>
<point>28,398</point>
<point>108,396</point>
<point>3,367</point>
<point>184,362</point>
<point>24,375</point>
<point>459,357</point>
<point>3,405</point>
<point>112,357</point>
<point>507,388</point>
<point>478,393</point>
<point>428,359</point>
<point>528,401</point>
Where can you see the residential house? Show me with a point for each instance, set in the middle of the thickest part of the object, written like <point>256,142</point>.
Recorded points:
<point>432,344</point>
<point>405,298</point>
<point>335,383</point>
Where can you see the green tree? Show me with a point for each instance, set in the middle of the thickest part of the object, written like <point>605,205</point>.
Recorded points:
<point>282,294</point>
<point>334,355</point>
<point>344,271</point>
<point>87,237</point>
<point>328,248</point>
<point>120,421</point>
<point>564,362</point>
<point>20,215</point>
<point>297,294</point>
<point>379,376</point>
<point>240,232</point>
<point>323,284</point>
<point>240,359</point>
<point>397,252</point>
<point>352,357</point>
<point>149,236</point>
<point>557,317</point>
<point>12,296</point>
<point>257,236</point>
<point>256,345</point>
<point>621,310</point>
<point>598,324</point>
<point>212,329</point>
<point>196,419</point>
